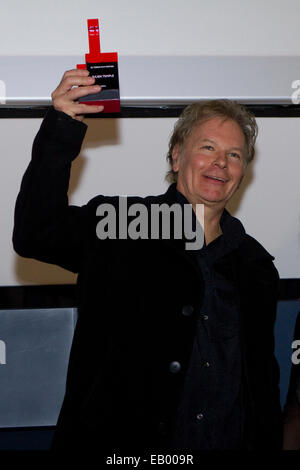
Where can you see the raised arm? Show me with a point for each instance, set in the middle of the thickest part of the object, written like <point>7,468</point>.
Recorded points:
<point>45,226</point>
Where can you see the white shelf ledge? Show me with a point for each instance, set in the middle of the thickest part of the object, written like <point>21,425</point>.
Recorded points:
<point>159,80</point>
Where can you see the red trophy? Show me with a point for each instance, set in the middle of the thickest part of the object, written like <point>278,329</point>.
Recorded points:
<point>103,66</point>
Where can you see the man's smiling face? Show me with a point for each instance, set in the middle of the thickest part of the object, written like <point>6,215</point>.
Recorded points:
<point>211,163</point>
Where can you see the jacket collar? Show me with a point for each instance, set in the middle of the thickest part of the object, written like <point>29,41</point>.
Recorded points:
<point>230,225</point>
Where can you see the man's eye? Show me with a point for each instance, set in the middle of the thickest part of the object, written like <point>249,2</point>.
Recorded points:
<point>234,154</point>
<point>208,147</point>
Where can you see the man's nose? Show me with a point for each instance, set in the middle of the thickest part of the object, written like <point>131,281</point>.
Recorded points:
<point>221,159</point>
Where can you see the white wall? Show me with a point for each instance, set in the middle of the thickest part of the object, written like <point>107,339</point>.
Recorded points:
<point>128,156</point>
<point>240,27</point>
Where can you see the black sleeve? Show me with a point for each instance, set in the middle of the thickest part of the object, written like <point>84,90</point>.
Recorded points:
<point>45,226</point>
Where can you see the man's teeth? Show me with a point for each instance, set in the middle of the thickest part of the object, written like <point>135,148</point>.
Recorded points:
<point>216,178</point>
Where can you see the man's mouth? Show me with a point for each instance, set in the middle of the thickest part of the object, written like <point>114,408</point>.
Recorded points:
<point>217,179</point>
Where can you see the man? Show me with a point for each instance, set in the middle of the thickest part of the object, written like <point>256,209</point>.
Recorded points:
<point>173,348</point>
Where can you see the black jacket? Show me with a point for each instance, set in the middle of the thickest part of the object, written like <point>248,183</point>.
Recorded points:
<point>120,390</point>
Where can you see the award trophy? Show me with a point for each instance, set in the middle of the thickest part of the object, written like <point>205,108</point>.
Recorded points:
<point>103,66</point>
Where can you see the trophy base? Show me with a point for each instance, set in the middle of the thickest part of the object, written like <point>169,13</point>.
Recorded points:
<point>110,106</point>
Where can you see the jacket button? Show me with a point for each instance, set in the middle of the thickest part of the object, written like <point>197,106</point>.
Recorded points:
<point>175,367</point>
<point>187,310</point>
<point>162,428</point>
<point>205,317</point>
<point>206,364</point>
<point>200,416</point>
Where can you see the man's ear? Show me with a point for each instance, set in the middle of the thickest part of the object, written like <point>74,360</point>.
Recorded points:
<point>176,158</point>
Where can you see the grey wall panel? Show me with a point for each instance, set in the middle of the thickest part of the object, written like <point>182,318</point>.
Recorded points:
<point>33,374</point>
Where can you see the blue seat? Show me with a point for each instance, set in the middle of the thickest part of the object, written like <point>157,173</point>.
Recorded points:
<point>287,312</point>
<point>34,352</point>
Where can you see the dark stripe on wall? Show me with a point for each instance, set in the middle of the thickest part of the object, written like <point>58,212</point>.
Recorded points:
<point>259,110</point>
<point>18,439</point>
<point>289,289</point>
<point>65,295</point>
<point>43,296</point>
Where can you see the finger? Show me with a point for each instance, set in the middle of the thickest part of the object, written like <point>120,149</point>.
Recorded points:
<point>77,72</point>
<point>76,93</point>
<point>69,82</point>
<point>67,101</point>
<point>80,108</point>
<point>77,109</point>
<point>73,73</point>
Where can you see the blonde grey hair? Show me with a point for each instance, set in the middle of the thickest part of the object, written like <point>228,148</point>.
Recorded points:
<point>200,112</point>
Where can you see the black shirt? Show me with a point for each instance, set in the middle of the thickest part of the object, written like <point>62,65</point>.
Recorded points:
<point>210,411</point>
